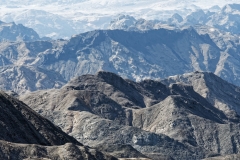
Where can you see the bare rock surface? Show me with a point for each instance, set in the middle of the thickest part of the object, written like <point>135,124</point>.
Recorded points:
<point>33,151</point>
<point>23,79</point>
<point>20,124</point>
<point>121,150</point>
<point>227,157</point>
<point>24,134</point>
<point>176,120</point>
<point>219,93</point>
<point>17,32</point>
<point>134,55</point>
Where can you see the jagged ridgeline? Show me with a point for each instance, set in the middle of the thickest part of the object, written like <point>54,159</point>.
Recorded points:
<point>128,92</point>
<point>24,134</point>
<point>183,117</point>
<point>30,66</point>
<point>61,18</point>
<point>17,32</point>
<point>225,19</point>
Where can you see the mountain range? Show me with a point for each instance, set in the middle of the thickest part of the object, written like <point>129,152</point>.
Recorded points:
<point>61,19</point>
<point>225,19</point>
<point>183,117</point>
<point>154,54</point>
<point>119,79</point>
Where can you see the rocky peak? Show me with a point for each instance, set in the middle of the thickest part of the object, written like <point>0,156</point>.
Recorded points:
<point>176,18</point>
<point>17,32</point>
<point>122,22</point>
<point>229,8</point>
<point>213,88</point>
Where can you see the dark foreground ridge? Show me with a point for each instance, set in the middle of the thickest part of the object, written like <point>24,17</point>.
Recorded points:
<point>26,134</point>
<point>20,124</point>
